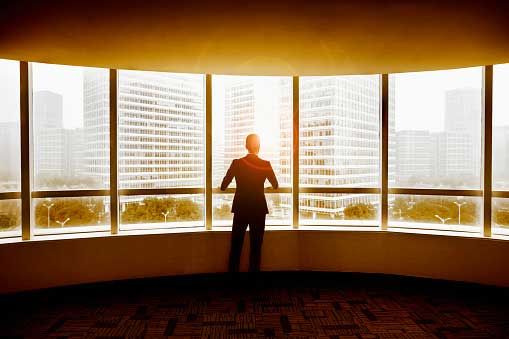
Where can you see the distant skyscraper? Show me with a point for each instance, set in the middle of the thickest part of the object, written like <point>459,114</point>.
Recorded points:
<point>501,156</point>
<point>414,156</point>
<point>73,149</point>
<point>463,128</point>
<point>9,168</point>
<point>452,154</point>
<point>48,135</point>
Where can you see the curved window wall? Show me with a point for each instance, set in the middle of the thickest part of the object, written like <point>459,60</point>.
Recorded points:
<point>115,150</point>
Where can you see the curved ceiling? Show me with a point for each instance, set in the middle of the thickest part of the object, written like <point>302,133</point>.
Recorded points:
<point>258,37</point>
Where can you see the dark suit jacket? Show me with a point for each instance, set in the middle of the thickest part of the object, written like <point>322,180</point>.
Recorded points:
<point>250,173</point>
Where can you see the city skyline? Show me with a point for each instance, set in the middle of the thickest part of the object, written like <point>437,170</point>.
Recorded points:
<point>434,85</point>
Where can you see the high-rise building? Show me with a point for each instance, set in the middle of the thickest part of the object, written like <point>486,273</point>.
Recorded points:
<point>160,127</point>
<point>339,139</point>
<point>262,107</point>
<point>501,156</point>
<point>452,154</point>
<point>96,127</point>
<point>48,135</point>
<point>462,125</point>
<point>218,164</point>
<point>73,151</point>
<point>9,169</point>
<point>414,156</point>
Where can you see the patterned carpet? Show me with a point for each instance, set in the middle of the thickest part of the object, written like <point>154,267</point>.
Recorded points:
<point>279,305</point>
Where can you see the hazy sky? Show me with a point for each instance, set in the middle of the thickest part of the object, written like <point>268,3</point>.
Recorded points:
<point>268,117</point>
<point>420,97</point>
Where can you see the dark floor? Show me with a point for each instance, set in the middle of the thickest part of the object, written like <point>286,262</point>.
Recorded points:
<point>293,305</point>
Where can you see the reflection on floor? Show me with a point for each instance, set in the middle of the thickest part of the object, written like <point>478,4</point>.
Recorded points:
<point>296,305</point>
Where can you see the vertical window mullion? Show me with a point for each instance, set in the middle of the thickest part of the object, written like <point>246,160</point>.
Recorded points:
<point>487,141</point>
<point>384,154</point>
<point>208,152</point>
<point>114,203</point>
<point>26,150</point>
<point>295,153</point>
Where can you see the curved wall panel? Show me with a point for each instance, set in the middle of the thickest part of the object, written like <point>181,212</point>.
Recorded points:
<point>40,264</point>
<point>264,37</point>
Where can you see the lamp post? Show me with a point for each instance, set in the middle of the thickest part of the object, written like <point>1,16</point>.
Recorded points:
<point>459,210</point>
<point>443,220</point>
<point>48,206</point>
<point>165,215</point>
<point>62,223</point>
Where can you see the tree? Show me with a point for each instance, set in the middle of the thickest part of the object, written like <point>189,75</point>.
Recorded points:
<point>80,211</point>
<point>223,212</point>
<point>10,214</point>
<point>502,217</point>
<point>153,209</point>
<point>360,211</point>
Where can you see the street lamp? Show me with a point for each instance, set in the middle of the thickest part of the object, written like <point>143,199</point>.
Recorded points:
<point>459,210</point>
<point>62,223</point>
<point>443,220</point>
<point>48,206</point>
<point>165,215</point>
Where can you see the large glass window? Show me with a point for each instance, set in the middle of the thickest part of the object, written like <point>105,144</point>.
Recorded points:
<point>161,146</point>
<point>71,146</point>
<point>244,105</point>
<point>339,146</point>
<point>332,209</point>
<point>500,147</point>
<point>435,144</point>
<point>161,130</point>
<point>434,150</point>
<point>440,213</point>
<point>436,139</point>
<point>70,127</point>
<point>10,141</point>
<point>64,215</point>
<point>166,211</point>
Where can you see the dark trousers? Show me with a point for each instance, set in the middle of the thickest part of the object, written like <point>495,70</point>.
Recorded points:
<point>256,229</point>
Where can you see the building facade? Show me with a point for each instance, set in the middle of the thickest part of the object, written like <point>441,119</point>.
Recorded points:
<point>160,128</point>
<point>339,140</point>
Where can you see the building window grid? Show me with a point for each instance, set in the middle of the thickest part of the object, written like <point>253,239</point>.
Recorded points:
<point>25,87</point>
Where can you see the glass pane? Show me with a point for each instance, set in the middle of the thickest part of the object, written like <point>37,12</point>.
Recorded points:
<point>501,127</point>
<point>71,127</point>
<point>63,215</point>
<point>435,213</point>
<point>339,131</point>
<point>500,216</point>
<point>436,142</point>
<point>9,126</point>
<point>279,209</point>
<point>10,218</point>
<point>244,105</point>
<point>162,211</point>
<point>339,209</point>
<point>161,130</point>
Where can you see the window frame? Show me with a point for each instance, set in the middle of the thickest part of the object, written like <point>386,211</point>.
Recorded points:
<point>26,194</point>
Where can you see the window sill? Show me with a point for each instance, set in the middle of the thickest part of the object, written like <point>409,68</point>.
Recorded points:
<point>270,228</point>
